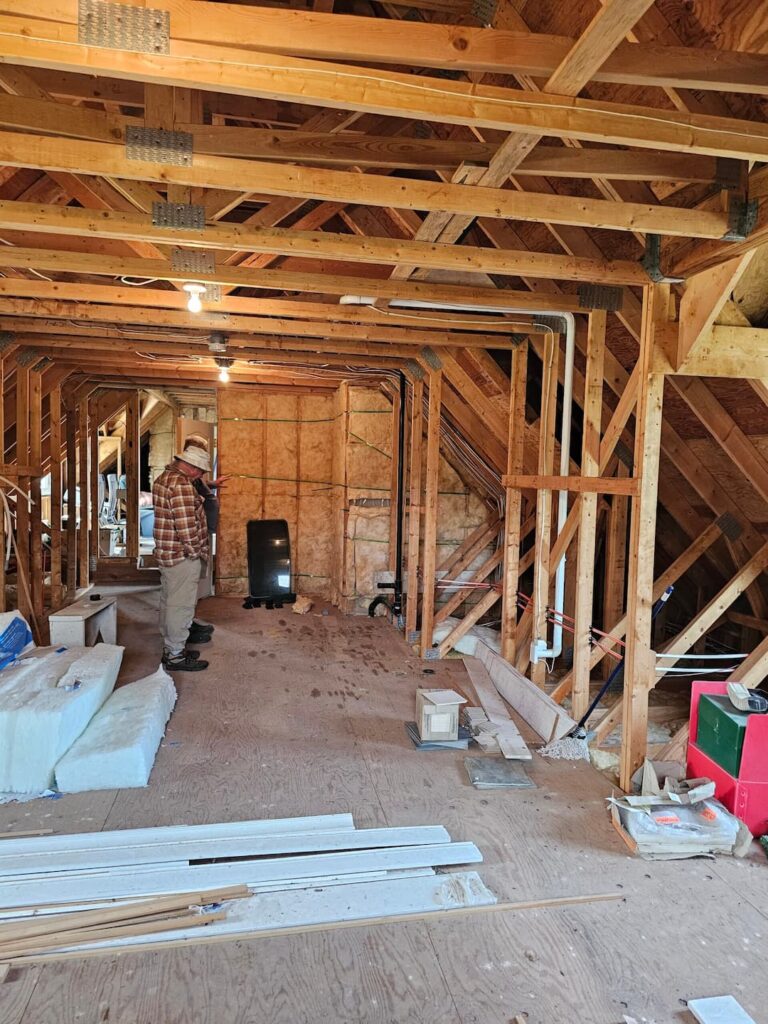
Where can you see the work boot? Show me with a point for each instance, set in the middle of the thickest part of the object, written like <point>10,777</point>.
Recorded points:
<point>203,627</point>
<point>184,662</point>
<point>197,635</point>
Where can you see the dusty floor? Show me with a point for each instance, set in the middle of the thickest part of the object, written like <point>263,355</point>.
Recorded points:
<point>304,715</point>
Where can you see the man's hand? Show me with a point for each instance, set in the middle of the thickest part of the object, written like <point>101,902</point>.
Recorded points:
<point>219,480</point>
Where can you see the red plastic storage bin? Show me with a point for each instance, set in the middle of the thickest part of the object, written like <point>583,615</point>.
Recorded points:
<point>747,795</point>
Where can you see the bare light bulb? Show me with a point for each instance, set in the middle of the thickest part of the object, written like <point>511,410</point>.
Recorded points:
<point>224,375</point>
<point>195,292</point>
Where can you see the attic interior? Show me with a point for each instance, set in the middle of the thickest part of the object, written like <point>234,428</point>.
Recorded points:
<point>469,298</point>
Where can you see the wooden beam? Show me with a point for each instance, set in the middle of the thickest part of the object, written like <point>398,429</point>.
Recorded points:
<point>459,596</point>
<point>58,220</point>
<point>753,670</point>
<point>429,559</point>
<point>577,484</point>
<point>639,661</point>
<point>3,602</point>
<point>35,517</point>
<point>615,560</point>
<point>323,284</point>
<point>132,474</point>
<point>414,507</point>
<point>585,558</point>
<point>71,442</point>
<point>83,487</point>
<point>423,44</point>
<point>514,502</point>
<point>54,444</point>
<point>703,298</point>
<point>105,159</point>
<point>23,579</point>
<point>355,149</point>
<point>725,352</point>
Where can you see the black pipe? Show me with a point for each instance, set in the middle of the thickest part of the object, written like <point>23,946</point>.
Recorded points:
<point>396,607</point>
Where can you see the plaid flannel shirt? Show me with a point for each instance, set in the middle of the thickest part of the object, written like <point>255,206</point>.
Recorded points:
<point>180,528</point>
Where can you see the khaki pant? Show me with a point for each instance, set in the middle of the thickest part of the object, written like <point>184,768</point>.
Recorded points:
<point>178,597</point>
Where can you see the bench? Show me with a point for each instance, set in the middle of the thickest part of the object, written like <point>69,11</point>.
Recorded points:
<point>80,624</point>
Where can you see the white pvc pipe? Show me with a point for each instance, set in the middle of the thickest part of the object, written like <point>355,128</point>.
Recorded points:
<point>539,647</point>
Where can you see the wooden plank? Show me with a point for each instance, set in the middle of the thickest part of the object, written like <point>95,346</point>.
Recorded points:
<point>726,352</point>
<point>753,670</point>
<point>35,516</point>
<point>93,484</point>
<point>704,296</point>
<point>615,561</point>
<point>484,605</point>
<point>71,493</point>
<point>463,592</point>
<point>514,501</point>
<point>346,37</point>
<point>639,658</point>
<point>22,547</point>
<point>529,701</point>
<point>577,484</point>
<point>132,474</point>
<point>429,557</point>
<point>104,159</point>
<point>324,284</point>
<point>585,558</point>
<point>74,221</point>
<point>55,449</point>
<point>3,601</point>
<point>458,560</point>
<point>83,486</point>
<point>414,506</point>
<point>511,743</point>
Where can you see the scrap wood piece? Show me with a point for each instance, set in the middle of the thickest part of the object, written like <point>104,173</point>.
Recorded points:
<point>511,743</point>
<point>482,902</point>
<point>535,706</point>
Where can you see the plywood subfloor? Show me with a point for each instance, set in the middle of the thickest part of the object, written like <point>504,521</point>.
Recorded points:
<point>304,715</point>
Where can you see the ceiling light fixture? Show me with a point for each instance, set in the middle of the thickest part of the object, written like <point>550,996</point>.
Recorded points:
<point>224,364</point>
<point>195,290</point>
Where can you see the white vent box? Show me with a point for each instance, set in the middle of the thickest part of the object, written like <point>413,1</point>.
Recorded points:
<point>437,714</point>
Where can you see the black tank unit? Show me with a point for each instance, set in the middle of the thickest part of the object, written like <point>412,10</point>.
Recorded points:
<point>269,564</point>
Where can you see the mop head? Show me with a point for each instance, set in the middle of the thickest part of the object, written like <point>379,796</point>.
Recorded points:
<point>569,748</point>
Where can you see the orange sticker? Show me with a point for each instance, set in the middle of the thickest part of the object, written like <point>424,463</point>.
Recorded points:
<point>709,814</point>
<point>666,819</point>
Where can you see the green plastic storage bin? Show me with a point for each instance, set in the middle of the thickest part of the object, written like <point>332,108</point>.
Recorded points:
<point>721,731</point>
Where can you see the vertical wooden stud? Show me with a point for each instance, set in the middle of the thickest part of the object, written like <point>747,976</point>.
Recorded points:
<point>414,507</point>
<point>514,501</point>
<point>639,662</point>
<point>585,558</point>
<point>54,416</point>
<point>615,562</point>
<point>544,499</point>
<point>36,516</point>
<point>429,561</point>
<point>132,475</point>
<point>93,420</point>
<point>23,602</point>
<point>3,603</point>
<point>83,486</point>
<point>71,441</point>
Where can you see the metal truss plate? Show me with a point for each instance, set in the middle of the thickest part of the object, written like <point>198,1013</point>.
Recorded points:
<point>729,526</point>
<point>651,262</point>
<point>27,356</point>
<point>431,358</point>
<point>414,636</point>
<point>433,654</point>
<point>187,216</point>
<point>598,296</point>
<point>123,27</point>
<point>212,292</point>
<point>156,145</point>
<point>192,262</point>
<point>484,11</point>
<point>413,369</point>
<point>742,218</point>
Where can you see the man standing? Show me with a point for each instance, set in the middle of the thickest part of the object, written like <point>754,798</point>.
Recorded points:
<point>181,546</point>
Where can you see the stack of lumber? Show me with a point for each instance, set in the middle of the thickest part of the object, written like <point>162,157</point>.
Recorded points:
<point>77,894</point>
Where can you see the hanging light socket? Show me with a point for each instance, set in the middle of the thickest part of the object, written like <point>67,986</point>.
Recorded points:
<point>195,290</point>
<point>224,363</point>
